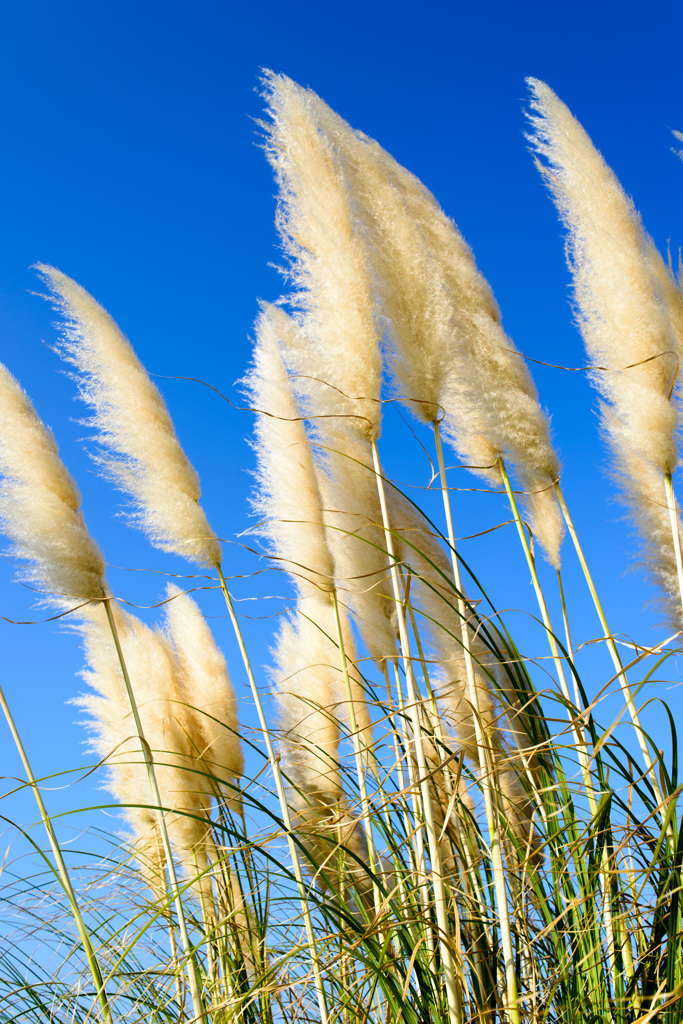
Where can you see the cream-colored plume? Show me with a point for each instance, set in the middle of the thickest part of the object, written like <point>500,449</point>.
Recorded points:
<point>288,498</point>
<point>328,262</point>
<point>618,277</point>
<point>356,539</point>
<point>645,499</point>
<point>40,503</point>
<point>629,307</point>
<point>361,564</point>
<point>169,726</point>
<point>450,357</point>
<point>211,704</point>
<point>139,449</point>
<point>311,696</point>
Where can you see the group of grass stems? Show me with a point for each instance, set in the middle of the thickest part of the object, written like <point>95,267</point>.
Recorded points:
<point>429,826</point>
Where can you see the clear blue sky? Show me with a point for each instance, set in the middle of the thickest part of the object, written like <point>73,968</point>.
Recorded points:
<point>130,162</point>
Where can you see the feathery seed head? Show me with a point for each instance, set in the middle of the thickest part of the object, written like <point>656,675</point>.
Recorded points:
<point>211,704</point>
<point>311,700</point>
<point>307,680</point>
<point>138,446</point>
<point>171,734</point>
<point>288,496</point>
<point>40,503</point>
<point>628,304</point>
<point>450,356</point>
<point>329,262</point>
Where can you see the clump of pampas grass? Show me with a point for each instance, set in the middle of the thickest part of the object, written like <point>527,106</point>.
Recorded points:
<point>188,712</point>
<point>451,360</point>
<point>209,700</point>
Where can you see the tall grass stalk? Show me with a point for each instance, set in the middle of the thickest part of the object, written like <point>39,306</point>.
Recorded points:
<point>453,985</point>
<point>61,865</point>
<point>282,799</point>
<point>188,951</point>
<point>485,766</point>
<point>609,638</point>
<point>576,724</point>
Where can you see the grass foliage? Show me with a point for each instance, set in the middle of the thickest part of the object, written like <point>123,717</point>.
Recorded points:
<point>379,860</point>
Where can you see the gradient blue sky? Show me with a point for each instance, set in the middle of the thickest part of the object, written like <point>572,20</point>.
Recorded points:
<point>130,162</point>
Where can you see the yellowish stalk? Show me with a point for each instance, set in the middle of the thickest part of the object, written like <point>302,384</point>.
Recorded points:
<point>282,798</point>
<point>415,832</point>
<point>485,766</point>
<point>358,754</point>
<point>577,728</point>
<point>195,989</point>
<point>612,647</point>
<point>453,991</point>
<point>568,637</point>
<point>61,865</point>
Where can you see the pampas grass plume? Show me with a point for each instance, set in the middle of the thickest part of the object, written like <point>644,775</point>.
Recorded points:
<point>630,312</point>
<point>618,277</point>
<point>310,698</point>
<point>139,449</point>
<point>210,701</point>
<point>329,263</point>
<point>450,357</point>
<point>40,503</point>
<point>288,496</point>
<point>169,730</point>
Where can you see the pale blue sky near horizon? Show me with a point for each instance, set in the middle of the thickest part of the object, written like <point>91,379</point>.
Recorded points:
<point>131,162</point>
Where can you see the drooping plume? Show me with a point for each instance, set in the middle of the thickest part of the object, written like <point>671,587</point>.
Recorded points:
<point>169,727</point>
<point>629,308</point>
<point>288,497</point>
<point>138,447</point>
<point>450,356</point>
<point>622,308</point>
<point>40,503</point>
<point>328,263</point>
<point>356,538</point>
<point>310,696</point>
<point>205,687</point>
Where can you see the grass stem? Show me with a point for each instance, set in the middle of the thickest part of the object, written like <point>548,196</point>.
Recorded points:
<point>485,766</point>
<point>282,798</point>
<point>454,995</point>
<point>61,865</point>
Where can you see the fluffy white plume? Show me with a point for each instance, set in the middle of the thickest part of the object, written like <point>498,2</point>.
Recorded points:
<point>328,262</point>
<point>40,503</point>
<point>311,696</point>
<point>288,497</point>
<point>630,311</point>
<point>211,704</point>
<point>618,275</point>
<point>139,449</point>
<point>170,730</point>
